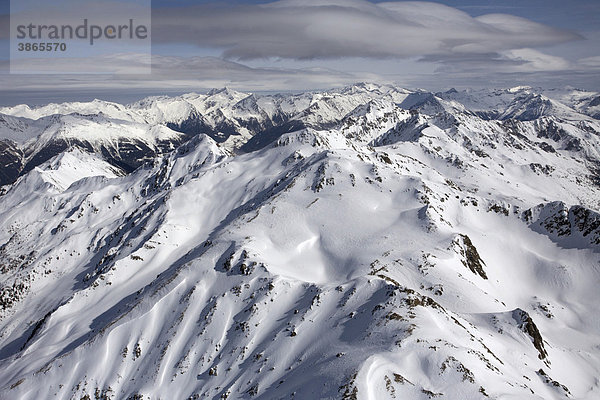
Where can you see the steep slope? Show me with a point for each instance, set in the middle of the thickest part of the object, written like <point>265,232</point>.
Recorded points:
<point>531,106</point>
<point>583,101</point>
<point>11,161</point>
<point>125,144</point>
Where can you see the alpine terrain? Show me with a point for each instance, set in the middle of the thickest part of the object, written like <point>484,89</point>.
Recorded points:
<point>369,242</point>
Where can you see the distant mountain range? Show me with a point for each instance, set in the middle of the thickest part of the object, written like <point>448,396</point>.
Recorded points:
<point>128,135</point>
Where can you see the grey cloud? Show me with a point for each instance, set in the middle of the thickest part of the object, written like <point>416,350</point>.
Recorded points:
<point>170,72</point>
<point>523,60</point>
<point>173,75</point>
<point>320,29</point>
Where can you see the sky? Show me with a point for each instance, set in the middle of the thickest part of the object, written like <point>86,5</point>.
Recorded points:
<point>296,45</point>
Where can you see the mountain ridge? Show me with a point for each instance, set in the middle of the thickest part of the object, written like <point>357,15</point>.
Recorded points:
<point>246,117</point>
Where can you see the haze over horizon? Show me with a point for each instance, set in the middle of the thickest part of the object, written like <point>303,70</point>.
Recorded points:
<point>298,45</point>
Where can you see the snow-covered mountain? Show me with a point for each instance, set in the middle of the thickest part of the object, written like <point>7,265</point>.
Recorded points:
<point>369,242</point>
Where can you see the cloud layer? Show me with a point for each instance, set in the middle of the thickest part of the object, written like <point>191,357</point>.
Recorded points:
<point>173,72</point>
<point>322,29</point>
<point>318,44</point>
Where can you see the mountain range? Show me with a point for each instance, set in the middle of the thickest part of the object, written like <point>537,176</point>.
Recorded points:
<point>368,242</point>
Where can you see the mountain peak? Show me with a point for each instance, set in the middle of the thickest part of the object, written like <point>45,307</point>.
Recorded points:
<point>520,89</point>
<point>225,90</point>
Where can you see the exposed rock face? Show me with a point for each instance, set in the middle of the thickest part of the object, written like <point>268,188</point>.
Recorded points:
<point>564,224</point>
<point>470,256</point>
<point>527,325</point>
<point>11,161</point>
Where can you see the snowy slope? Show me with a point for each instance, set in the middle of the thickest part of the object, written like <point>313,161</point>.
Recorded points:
<point>110,109</point>
<point>373,252</point>
<point>125,144</point>
<point>584,101</point>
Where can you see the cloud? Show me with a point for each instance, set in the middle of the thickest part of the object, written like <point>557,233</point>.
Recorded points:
<point>522,61</point>
<point>286,44</point>
<point>322,29</point>
<point>176,75</point>
<point>530,60</point>
<point>184,74</point>
<point>121,64</point>
<point>593,62</point>
<point>174,72</point>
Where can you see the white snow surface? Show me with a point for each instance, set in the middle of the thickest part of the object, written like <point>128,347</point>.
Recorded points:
<point>394,254</point>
